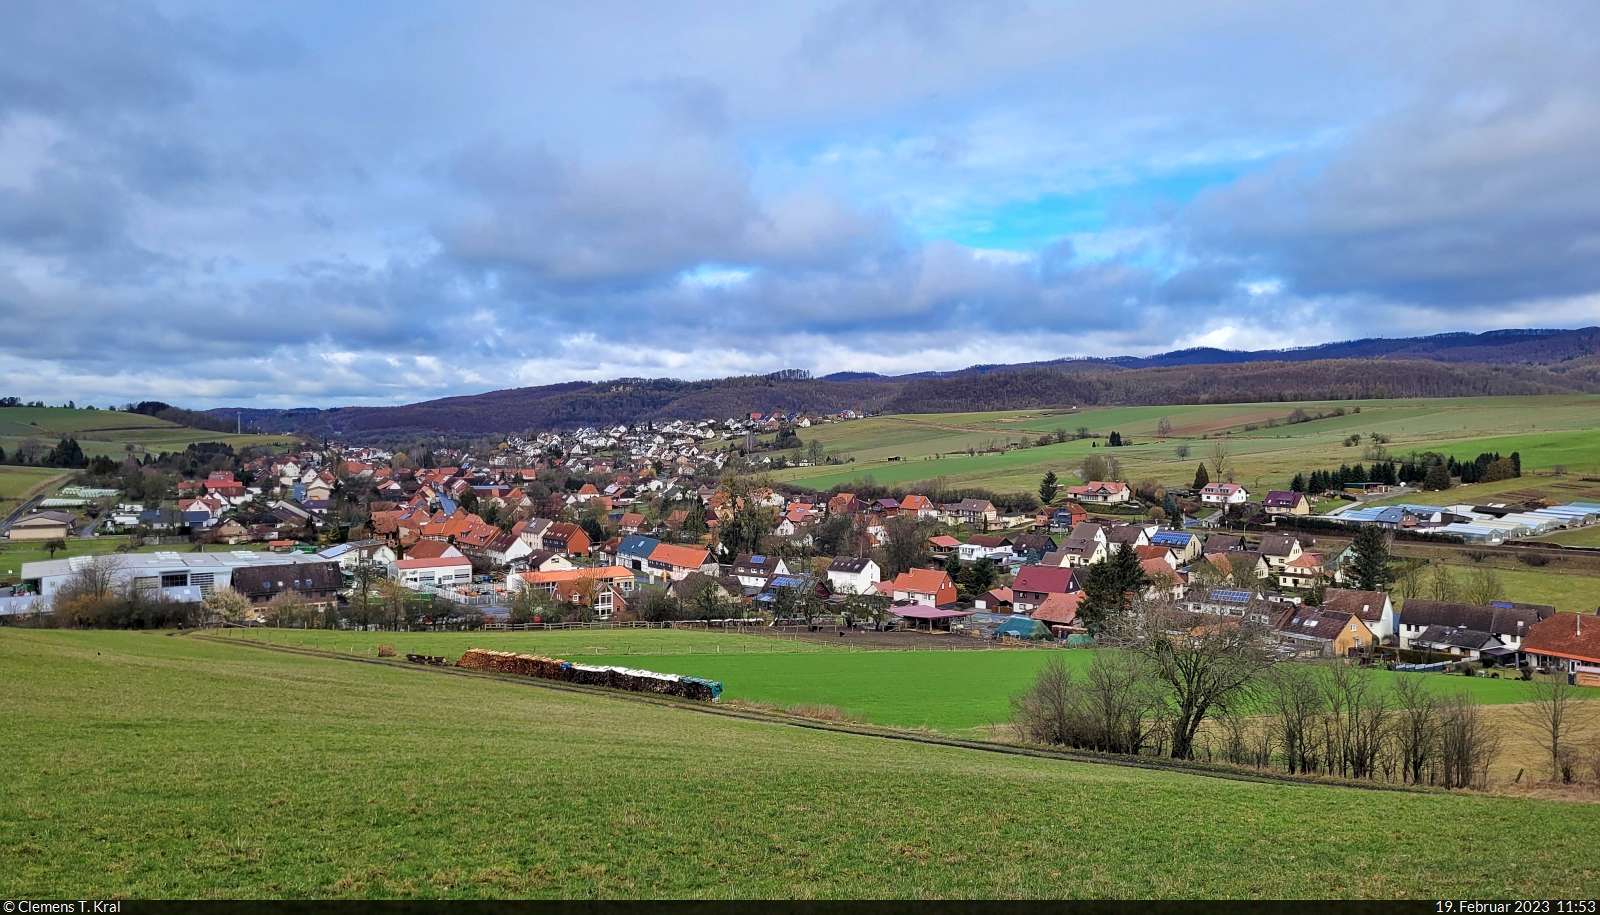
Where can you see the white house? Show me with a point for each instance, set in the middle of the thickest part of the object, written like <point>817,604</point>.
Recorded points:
<point>1100,492</point>
<point>360,552</point>
<point>847,575</point>
<point>1224,494</point>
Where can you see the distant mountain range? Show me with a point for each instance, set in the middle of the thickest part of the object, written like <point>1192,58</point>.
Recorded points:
<point>1501,362</point>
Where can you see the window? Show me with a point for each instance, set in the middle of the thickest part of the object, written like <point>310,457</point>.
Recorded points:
<point>174,579</point>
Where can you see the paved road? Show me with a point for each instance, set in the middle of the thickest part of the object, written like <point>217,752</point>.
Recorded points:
<point>22,509</point>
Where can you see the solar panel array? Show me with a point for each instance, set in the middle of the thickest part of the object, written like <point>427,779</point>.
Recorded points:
<point>1237,597</point>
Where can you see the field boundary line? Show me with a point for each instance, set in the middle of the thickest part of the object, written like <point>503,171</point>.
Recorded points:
<point>1180,767</point>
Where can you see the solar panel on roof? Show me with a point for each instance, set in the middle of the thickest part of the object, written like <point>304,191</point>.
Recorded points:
<point>1236,596</point>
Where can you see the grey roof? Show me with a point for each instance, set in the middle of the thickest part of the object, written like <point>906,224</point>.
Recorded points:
<point>1457,637</point>
<point>1501,620</point>
<point>1277,545</point>
<point>848,564</point>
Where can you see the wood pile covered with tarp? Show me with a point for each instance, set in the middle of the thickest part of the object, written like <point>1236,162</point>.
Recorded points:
<point>638,681</point>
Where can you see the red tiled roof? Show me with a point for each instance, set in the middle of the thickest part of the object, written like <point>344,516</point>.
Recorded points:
<point>1566,635</point>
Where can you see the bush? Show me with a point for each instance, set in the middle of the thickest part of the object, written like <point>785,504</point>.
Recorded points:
<point>1530,558</point>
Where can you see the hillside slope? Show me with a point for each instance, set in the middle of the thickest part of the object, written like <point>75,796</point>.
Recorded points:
<point>1449,365</point>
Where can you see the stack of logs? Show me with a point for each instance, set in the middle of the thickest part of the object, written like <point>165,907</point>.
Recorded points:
<point>638,681</point>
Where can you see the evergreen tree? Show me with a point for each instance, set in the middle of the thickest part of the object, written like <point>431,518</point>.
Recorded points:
<point>1201,478</point>
<point>1298,484</point>
<point>1048,488</point>
<point>1369,561</point>
<point>1115,440</point>
<point>1516,462</point>
<point>1169,504</point>
<point>1109,587</point>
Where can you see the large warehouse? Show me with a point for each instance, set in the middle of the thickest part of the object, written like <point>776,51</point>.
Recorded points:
<point>259,574</point>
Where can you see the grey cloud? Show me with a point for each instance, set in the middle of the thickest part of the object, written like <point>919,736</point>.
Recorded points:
<point>1479,193</point>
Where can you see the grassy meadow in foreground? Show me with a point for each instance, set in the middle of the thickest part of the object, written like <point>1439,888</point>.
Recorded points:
<point>147,765</point>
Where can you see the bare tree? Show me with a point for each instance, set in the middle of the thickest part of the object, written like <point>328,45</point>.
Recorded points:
<point>1555,714</point>
<point>1218,458</point>
<point>1205,665</point>
<point>1163,427</point>
<point>1297,703</point>
<point>1417,728</point>
<point>1441,583</point>
<point>1468,743</point>
<point>1483,586</point>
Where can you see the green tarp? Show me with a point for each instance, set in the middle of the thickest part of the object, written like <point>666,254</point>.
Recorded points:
<point>1022,627</point>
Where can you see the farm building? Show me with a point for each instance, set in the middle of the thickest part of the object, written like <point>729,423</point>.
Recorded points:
<point>41,526</point>
<point>205,571</point>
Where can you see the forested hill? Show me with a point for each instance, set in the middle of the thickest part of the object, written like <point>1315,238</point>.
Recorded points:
<point>1451,365</point>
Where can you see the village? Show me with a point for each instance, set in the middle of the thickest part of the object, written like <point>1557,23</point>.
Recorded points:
<point>655,524</point>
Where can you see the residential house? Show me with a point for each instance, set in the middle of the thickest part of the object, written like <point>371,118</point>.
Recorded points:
<point>1185,546</point>
<point>1232,602</point>
<point>1223,543</point>
<point>1224,494</point>
<point>756,571</point>
<point>1100,492</point>
<point>1035,583</point>
<point>434,549</point>
<point>1372,607</point>
<point>928,587</point>
<point>316,582</point>
<point>633,552</point>
<point>919,507</point>
<point>566,538</point>
<point>1509,622</point>
<point>630,522</point>
<point>853,575</point>
<point>351,556</point>
<point>942,546</point>
<point>1561,642</point>
<point>1278,550</point>
<point>844,504</point>
<point>1030,548</point>
<point>996,547</point>
<point>1302,572</point>
<point>545,561</point>
<point>1134,535</point>
<point>1459,641</point>
<point>532,531</point>
<point>1323,631</point>
<point>1282,502</point>
<point>1066,517</point>
<point>977,512</point>
<point>675,562</point>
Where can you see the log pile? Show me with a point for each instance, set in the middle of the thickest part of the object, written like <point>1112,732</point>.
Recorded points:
<point>638,681</point>
<point>428,659</point>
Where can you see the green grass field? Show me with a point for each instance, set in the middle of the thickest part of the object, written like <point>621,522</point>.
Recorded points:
<point>152,766</point>
<point>944,690</point>
<point>1549,432</point>
<point>108,432</point>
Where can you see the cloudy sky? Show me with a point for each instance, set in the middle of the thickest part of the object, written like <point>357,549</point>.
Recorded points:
<point>313,203</point>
